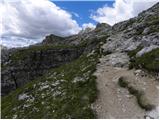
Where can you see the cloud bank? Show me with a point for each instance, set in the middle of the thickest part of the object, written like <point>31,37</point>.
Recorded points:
<point>25,22</point>
<point>121,10</point>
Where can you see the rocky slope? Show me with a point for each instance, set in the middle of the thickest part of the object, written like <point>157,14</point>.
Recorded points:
<point>26,64</point>
<point>57,78</point>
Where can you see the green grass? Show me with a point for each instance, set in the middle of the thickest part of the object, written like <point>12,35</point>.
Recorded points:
<point>134,91</point>
<point>153,20</point>
<point>134,52</point>
<point>148,61</point>
<point>3,66</point>
<point>123,82</point>
<point>70,92</point>
<point>153,23</point>
<point>23,53</point>
<point>142,101</point>
<point>153,29</point>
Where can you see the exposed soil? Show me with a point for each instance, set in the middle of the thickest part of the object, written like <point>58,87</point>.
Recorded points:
<point>115,102</point>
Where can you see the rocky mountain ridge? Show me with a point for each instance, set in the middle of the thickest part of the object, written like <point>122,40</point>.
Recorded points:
<point>32,73</point>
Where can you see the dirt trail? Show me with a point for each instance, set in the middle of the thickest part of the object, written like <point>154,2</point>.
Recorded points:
<point>116,102</point>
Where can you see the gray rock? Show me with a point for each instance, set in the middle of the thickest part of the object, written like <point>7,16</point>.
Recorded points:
<point>150,40</point>
<point>146,50</point>
<point>154,114</point>
<point>146,31</point>
<point>117,59</point>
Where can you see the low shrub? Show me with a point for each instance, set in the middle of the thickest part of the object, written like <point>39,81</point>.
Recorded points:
<point>148,61</point>
<point>123,82</point>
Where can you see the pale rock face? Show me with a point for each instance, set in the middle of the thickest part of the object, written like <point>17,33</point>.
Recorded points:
<point>146,50</point>
<point>78,79</point>
<point>154,114</point>
<point>14,116</point>
<point>117,59</point>
<point>146,31</point>
<point>132,46</point>
<point>150,40</point>
<point>22,96</point>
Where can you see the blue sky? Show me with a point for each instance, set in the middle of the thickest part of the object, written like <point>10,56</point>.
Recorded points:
<point>83,9</point>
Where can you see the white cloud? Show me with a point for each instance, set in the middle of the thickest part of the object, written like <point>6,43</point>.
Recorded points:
<point>121,10</point>
<point>28,21</point>
<point>88,25</point>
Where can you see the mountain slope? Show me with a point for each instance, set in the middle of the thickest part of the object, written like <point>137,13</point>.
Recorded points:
<point>57,78</point>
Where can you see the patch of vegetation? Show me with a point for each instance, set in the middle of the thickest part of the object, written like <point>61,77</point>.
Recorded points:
<point>139,31</point>
<point>148,61</point>
<point>132,90</point>
<point>3,66</point>
<point>142,101</point>
<point>64,92</point>
<point>134,52</point>
<point>153,29</point>
<point>153,23</point>
<point>23,53</point>
<point>123,82</point>
<point>153,20</point>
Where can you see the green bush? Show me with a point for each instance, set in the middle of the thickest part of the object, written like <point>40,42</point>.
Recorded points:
<point>134,52</point>
<point>144,103</point>
<point>149,61</point>
<point>123,82</point>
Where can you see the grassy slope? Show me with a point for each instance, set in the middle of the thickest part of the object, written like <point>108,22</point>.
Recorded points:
<point>65,92</point>
<point>23,53</point>
<point>148,61</point>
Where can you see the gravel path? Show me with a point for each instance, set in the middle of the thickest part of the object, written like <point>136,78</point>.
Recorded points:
<point>115,102</point>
